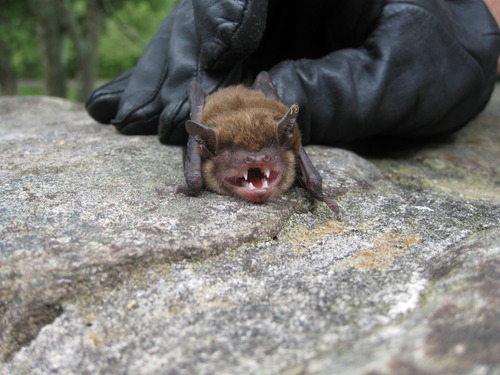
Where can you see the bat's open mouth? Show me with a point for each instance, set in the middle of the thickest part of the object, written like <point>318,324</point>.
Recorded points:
<point>256,184</point>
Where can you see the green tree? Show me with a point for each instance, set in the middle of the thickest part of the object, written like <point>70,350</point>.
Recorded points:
<point>14,20</point>
<point>61,39</point>
<point>50,34</point>
<point>82,22</point>
<point>8,76</point>
<point>127,32</point>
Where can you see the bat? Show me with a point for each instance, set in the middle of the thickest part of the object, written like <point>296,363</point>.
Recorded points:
<point>244,141</point>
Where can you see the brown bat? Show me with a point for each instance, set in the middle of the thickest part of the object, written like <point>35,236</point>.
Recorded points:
<point>244,141</point>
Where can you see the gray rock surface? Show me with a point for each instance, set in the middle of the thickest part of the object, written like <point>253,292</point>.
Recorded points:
<point>105,270</point>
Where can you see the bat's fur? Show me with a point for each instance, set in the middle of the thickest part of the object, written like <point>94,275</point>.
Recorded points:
<point>244,141</point>
<point>244,118</point>
<point>245,121</point>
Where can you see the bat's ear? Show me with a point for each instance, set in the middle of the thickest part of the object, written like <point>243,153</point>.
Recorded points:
<point>196,96</point>
<point>284,127</point>
<point>264,84</point>
<point>205,136</point>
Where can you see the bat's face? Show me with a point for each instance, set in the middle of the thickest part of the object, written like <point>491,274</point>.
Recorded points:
<point>248,144</point>
<point>255,176</point>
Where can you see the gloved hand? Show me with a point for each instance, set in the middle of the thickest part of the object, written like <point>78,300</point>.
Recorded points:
<point>426,67</point>
<point>199,39</point>
<point>357,68</point>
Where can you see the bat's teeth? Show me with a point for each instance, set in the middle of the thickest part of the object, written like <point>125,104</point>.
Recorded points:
<point>265,185</point>
<point>245,175</point>
<point>267,172</point>
<point>250,186</point>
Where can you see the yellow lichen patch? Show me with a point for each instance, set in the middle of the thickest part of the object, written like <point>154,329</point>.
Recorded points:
<point>407,171</point>
<point>327,227</point>
<point>93,340</point>
<point>302,238</point>
<point>385,248</point>
<point>211,296</point>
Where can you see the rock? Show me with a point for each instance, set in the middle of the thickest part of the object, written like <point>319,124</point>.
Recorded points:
<point>104,269</point>
<point>454,330</point>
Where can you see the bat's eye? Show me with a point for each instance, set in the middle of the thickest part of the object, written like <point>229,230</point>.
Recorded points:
<point>202,145</point>
<point>205,147</point>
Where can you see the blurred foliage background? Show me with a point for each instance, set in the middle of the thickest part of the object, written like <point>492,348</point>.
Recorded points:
<point>67,47</point>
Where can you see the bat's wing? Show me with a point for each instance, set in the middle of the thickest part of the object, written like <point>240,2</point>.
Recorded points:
<point>196,97</point>
<point>312,180</point>
<point>264,84</point>
<point>192,169</point>
<point>191,156</point>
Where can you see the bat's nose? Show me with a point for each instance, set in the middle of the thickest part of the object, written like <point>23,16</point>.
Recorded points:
<point>257,158</point>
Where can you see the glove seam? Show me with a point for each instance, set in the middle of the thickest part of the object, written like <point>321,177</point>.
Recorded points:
<point>123,128</point>
<point>149,99</point>
<point>96,95</point>
<point>175,112</point>
<point>107,93</point>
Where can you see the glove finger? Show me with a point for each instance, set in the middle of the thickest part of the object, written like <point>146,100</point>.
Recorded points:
<point>103,103</point>
<point>172,119</point>
<point>146,126</point>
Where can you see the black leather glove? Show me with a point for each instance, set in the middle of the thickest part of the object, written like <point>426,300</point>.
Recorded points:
<point>199,39</point>
<point>426,67</point>
<point>357,68</point>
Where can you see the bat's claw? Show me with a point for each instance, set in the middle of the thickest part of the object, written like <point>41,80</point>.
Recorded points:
<point>181,189</point>
<point>331,204</point>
